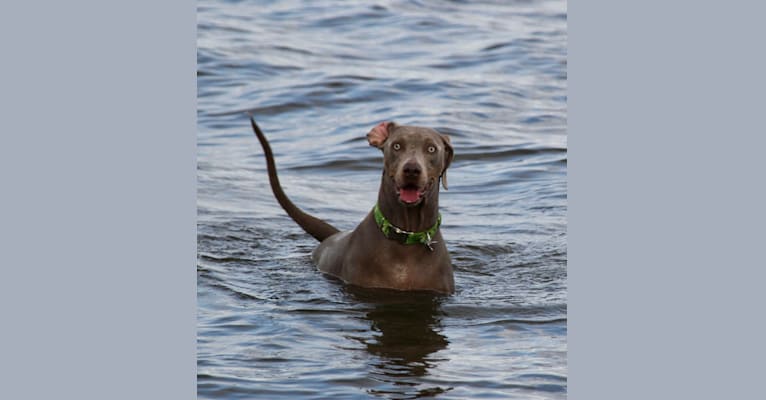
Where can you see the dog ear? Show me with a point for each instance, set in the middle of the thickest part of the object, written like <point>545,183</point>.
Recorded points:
<point>378,135</point>
<point>449,154</point>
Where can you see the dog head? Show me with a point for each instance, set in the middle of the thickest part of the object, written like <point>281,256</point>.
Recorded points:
<point>415,158</point>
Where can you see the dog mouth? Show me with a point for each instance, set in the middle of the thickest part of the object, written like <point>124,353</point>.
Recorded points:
<point>411,193</point>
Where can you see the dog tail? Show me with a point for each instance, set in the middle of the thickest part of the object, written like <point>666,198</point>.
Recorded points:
<point>315,227</point>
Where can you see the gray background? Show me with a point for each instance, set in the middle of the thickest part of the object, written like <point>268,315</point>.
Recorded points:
<point>97,217</point>
<point>666,197</point>
<point>97,220</point>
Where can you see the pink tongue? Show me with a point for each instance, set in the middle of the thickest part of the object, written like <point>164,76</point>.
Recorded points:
<point>408,195</point>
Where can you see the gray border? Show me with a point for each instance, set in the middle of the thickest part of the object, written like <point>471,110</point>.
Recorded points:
<point>98,235</point>
<point>666,200</point>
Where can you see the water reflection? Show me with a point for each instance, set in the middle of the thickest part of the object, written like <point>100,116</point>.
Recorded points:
<point>405,338</point>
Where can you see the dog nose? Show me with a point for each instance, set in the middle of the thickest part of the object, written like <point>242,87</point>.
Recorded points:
<point>411,170</point>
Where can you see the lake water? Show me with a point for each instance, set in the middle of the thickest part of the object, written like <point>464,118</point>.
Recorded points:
<point>318,76</point>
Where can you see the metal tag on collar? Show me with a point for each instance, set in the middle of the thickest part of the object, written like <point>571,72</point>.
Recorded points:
<point>429,242</point>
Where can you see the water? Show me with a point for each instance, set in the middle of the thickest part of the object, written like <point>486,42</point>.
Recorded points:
<point>318,76</point>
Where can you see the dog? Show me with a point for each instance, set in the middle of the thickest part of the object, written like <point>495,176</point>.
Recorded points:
<point>399,244</point>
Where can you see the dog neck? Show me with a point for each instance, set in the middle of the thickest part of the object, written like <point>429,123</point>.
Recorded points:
<point>410,218</point>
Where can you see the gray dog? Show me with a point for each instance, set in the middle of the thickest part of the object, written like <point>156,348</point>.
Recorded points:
<point>398,245</point>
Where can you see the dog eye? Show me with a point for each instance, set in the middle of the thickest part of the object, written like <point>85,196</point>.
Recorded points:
<point>397,146</point>
<point>431,149</point>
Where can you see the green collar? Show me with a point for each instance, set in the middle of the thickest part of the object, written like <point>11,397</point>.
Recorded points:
<point>392,232</point>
